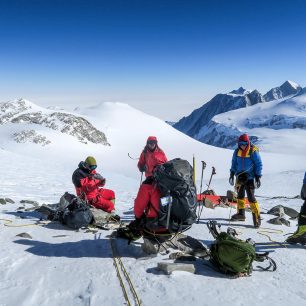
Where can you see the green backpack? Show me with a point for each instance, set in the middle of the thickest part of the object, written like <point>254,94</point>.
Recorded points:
<point>233,256</point>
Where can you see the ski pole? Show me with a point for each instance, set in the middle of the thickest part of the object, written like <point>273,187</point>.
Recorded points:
<point>213,172</point>
<point>203,167</point>
<point>141,178</point>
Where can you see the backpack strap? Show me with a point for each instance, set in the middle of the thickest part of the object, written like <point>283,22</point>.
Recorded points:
<point>262,257</point>
<point>212,227</point>
<point>253,148</point>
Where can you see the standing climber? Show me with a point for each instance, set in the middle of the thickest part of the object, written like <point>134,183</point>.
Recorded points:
<point>151,156</point>
<point>247,167</point>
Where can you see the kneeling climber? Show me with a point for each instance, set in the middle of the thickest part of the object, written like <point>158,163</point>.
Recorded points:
<point>89,186</point>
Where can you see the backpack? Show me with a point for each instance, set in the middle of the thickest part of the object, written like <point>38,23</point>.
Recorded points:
<point>75,211</point>
<point>177,207</point>
<point>233,256</point>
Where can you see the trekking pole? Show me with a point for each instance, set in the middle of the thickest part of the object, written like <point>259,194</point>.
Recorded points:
<point>213,172</point>
<point>169,199</point>
<point>203,168</point>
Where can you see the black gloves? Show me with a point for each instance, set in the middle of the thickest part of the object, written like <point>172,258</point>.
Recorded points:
<point>231,179</point>
<point>257,181</point>
<point>99,177</point>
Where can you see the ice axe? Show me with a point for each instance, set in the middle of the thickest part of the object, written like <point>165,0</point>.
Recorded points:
<point>213,172</point>
<point>133,158</point>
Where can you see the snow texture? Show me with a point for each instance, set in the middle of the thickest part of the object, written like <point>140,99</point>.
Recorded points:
<point>59,266</point>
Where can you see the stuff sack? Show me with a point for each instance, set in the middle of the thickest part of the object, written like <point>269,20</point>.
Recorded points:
<point>75,211</point>
<point>177,208</point>
<point>233,256</point>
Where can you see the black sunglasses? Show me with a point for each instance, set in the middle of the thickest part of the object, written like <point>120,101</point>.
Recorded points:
<point>152,142</point>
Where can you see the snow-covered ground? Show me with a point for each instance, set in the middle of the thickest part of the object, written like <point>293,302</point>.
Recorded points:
<point>59,266</point>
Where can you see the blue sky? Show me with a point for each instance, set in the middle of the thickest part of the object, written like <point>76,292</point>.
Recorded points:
<point>163,57</point>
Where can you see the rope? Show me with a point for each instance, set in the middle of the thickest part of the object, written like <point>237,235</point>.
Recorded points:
<point>118,262</point>
<point>267,231</point>
<point>277,197</point>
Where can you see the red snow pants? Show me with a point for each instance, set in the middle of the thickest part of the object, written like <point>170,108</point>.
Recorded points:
<point>105,200</point>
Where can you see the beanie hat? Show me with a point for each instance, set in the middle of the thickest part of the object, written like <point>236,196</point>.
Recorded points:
<point>244,137</point>
<point>90,161</point>
<point>152,138</point>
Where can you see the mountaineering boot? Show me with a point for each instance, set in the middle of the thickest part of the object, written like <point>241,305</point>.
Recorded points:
<point>255,214</point>
<point>299,236</point>
<point>240,215</point>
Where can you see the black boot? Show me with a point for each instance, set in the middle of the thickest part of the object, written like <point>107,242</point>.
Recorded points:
<point>239,216</point>
<point>256,220</point>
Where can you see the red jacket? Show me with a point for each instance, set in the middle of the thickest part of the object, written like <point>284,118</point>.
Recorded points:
<point>147,201</point>
<point>151,159</point>
<point>85,182</point>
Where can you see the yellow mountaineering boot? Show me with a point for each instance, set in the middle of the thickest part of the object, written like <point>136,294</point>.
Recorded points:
<point>255,213</point>
<point>240,215</point>
<point>299,236</point>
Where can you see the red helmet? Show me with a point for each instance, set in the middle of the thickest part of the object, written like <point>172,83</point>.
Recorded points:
<point>151,139</point>
<point>244,137</point>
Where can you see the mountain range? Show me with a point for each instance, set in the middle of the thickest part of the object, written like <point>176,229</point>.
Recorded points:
<point>203,125</point>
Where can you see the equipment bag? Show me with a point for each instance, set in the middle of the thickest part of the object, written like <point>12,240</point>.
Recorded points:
<point>177,208</point>
<point>233,256</point>
<point>75,212</point>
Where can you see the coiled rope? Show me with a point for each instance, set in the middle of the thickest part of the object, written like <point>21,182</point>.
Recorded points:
<point>266,231</point>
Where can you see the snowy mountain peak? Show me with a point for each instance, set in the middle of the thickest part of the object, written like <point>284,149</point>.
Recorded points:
<point>292,84</point>
<point>239,91</point>
<point>286,89</point>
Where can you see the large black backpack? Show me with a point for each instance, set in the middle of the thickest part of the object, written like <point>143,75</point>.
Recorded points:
<point>175,181</point>
<point>75,212</point>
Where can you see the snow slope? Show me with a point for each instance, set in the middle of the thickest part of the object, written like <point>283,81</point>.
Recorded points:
<point>59,266</point>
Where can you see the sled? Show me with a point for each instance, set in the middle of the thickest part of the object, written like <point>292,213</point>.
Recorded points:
<point>217,199</point>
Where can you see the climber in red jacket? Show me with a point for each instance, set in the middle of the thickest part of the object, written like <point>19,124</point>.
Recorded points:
<point>88,184</point>
<point>151,156</point>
